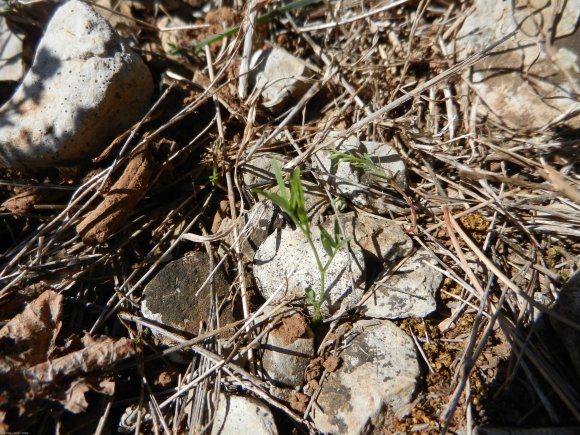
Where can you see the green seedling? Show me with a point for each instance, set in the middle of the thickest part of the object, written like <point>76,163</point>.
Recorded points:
<point>291,201</point>
<point>216,150</point>
<point>365,162</point>
<point>262,19</point>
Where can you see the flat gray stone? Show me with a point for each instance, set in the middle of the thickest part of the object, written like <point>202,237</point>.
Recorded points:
<point>237,415</point>
<point>259,169</point>
<point>280,77</point>
<point>379,371</point>
<point>352,182</point>
<point>287,250</point>
<point>253,227</point>
<point>381,239</point>
<point>287,352</point>
<point>84,87</point>
<point>523,85</point>
<point>175,296</point>
<point>409,291</point>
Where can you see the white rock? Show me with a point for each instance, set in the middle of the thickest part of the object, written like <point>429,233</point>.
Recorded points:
<point>379,371</point>
<point>382,239</point>
<point>287,250</point>
<point>522,84</point>
<point>237,415</point>
<point>84,88</point>
<point>409,291</point>
<point>351,181</point>
<point>280,77</point>
<point>11,67</point>
<point>287,352</point>
<point>259,169</point>
<point>253,227</point>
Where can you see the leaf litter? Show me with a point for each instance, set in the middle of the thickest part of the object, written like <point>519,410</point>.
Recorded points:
<point>497,206</point>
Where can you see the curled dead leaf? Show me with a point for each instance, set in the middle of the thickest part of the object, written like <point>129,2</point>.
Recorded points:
<point>119,202</point>
<point>102,354</point>
<point>33,332</point>
<point>74,399</point>
<point>21,202</point>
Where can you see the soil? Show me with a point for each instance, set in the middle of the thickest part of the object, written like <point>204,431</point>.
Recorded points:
<point>74,272</point>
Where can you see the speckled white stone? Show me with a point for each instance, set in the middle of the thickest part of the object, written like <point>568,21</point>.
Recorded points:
<point>287,250</point>
<point>84,87</point>
<point>379,371</point>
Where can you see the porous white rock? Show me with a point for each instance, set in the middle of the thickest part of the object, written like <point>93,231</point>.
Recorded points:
<point>84,87</point>
<point>352,181</point>
<point>285,262</point>
<point>407,291</point>
<point>525,84</point>
<point>381,239</point>
<point>280,77</point>
<point>238,415</point>
<point>378,372</point>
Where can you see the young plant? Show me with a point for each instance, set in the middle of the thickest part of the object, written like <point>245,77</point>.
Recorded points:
<point>292,203</point>
<point>365,162</point>
<point>262,19</point>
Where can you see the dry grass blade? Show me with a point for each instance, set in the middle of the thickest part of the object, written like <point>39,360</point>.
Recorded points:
<point>494,208</point>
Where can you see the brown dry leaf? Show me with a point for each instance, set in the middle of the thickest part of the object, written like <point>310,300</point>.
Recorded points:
<point>331,363</point>
<point>32,333</point>
<point>74,399</point>
<point>21,202</point>
<point>15,302</point>
<point>119,202</point>
<point>560,183</point>
<point>221,213</point>
<point>299,402</point>
<point>3,426</point>
<point>102,354</point>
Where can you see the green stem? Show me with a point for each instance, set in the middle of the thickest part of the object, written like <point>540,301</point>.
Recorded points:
<point>317,316</point>
<point>260,20</point>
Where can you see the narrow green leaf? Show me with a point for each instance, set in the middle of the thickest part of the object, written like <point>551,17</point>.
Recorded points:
<point>278,200</point>
<point>310,296</point>
<point>343,242</point>
<point>297,192</point>
<point>327,241</point>
<point>280,180</point>
<point>337,235</point>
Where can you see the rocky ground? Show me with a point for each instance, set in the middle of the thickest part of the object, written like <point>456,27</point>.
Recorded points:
<point>289,217</point>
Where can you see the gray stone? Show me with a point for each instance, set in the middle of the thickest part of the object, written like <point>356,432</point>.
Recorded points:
<point>379,371</point>
<point>568,305</point>
<point>408,291</point>
<point>11,66</point>
<point>238,415</point>
<point>352,181</point>
<point>287,250</point>
<point>253,227</point>
<point>381,239</point>
<point>84,88</point>
<point>525,85</point>
<point>287,352</point>
<point>280,77</point>
<point>259,169</point>
<point>175,298</point>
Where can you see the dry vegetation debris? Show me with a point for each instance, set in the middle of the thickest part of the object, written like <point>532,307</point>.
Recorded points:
<point>499,207</point>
